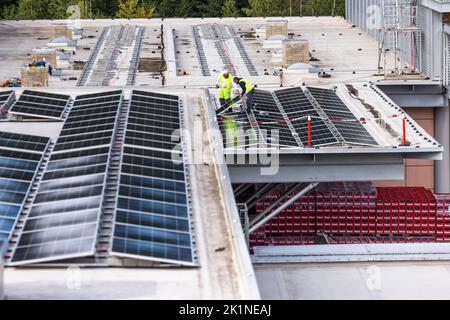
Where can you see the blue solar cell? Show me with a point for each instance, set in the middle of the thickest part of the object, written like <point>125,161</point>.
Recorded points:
<point>18,169</point>
<point>343,119</point>
<point>157,251</point>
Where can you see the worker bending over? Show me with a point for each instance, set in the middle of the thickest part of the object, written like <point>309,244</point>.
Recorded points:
<point>225,83</point>
<point>247,91</point>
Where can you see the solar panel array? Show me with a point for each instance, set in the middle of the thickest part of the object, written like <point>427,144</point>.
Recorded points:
<point>344,120</point>
<point>298,107</point>
<point>285,113</point>
<point>153,217</point>
<point>271,121</point>
<point>64,219</point>
<point>41,105</point>
<point>20,158</point>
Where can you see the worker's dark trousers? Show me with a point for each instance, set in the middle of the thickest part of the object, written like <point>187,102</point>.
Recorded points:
<point>223,102</point>
<point>249,102</point>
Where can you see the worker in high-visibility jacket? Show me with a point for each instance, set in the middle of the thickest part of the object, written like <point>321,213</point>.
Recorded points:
<point>225,83</point>
<point>247,90</point>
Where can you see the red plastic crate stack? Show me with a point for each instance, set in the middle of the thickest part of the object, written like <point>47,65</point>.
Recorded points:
<point>443,218</point>
<point>299,218</point>
<point>406,211</point>
<point>358,213</point>
<point>296,225</point>
<point>346,208</point>
<point>258,238</point>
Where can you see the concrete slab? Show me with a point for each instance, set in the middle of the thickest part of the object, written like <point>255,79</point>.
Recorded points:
<point>102,284</point>
<point>355,281</point>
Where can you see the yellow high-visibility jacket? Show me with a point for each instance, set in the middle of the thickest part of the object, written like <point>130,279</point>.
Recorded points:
<point>248,86</point>
<point>225,83</point>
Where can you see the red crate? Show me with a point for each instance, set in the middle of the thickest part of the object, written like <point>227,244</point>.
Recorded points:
<point>346,208</point>
<point>443,218</point>
<point>406,211</point>
<point>355,214</point>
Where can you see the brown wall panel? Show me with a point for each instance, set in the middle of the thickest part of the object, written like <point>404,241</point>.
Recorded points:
<point>418,173</point>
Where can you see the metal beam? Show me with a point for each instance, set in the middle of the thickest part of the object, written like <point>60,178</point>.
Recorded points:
<point>326,173</point>
<point>265,188</point>
<point>300,194</point>
<point>241,189</point>
<point>290,190</point>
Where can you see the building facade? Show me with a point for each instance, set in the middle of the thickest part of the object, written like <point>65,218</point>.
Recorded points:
<point>427,51</point>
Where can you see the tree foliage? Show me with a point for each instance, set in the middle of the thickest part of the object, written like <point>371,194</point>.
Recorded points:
<point>229,9</point>
<point>263,8</point>
<point>57,9</point>
<point>130,9</point>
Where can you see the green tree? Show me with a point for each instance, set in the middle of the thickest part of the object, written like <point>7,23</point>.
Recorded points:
<point>57,9</point>
<point>262,8</point>
<point>32,9</point>
<point>229,9</point>
<point>186,8</point>
<point>131,9</point>
<point>211,8</point>
<point>167,8</point>
<point>84,9</point>
<point>46,9</point>
<point>9,12</point>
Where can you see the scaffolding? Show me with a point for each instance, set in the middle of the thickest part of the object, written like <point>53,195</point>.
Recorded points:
<point>399,27</point>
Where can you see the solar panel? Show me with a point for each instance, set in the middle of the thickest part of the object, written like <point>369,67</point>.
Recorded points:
<point>248,136</point>
<point>7,98</point>
<point>343,119</point>
<point>266,124</point>
<point>271,121</point>
<point>98,95</point>
<point>40,105</point>
<point>153,216</point>
<point>298,107</point>
<point>20,158</point>
<point>4,97</point>
<point>46,95</point>
<point>64,219</point>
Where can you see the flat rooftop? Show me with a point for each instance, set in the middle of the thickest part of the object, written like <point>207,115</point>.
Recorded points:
<point>341,50</point>
<point>169,63</point>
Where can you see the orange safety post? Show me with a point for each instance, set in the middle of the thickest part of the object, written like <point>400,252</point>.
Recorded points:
<point>309,131</point>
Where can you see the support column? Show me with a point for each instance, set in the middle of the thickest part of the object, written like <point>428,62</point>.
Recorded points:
<point>442,135</point>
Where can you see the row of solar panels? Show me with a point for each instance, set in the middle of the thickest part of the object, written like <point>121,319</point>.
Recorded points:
<point>39,104</point>
<point>281,119</point>
<point>151,213</point>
